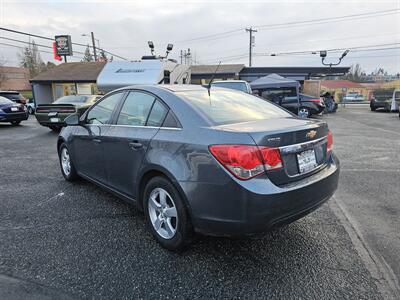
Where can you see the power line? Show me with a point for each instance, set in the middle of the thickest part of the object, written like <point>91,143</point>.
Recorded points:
<point>51,39</point>
<point>30,43</point>
<point>329,50</point>
<point>332,19</point>
<point>43,51</point>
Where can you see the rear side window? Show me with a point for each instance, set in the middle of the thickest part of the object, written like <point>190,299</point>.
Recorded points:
<point>228,107</point>
<point>102,112</point>
<point>157,114</point>
<point>136,108</point>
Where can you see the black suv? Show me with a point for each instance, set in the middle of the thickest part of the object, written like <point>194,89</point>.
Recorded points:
<point>305,107</point>
<point>13,96</point>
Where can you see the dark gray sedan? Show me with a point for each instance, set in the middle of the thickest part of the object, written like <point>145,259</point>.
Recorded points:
<point>216,162</point>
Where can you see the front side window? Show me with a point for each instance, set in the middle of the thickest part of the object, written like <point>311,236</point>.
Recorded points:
<point>102,112</point>
<point>136,109</point>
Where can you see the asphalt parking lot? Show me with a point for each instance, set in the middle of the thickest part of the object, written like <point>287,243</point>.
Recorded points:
<point>67,241</point>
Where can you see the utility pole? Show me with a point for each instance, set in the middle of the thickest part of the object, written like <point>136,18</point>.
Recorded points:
<point>181,56</point>
<point>94,47</point>
<point>251,43</point>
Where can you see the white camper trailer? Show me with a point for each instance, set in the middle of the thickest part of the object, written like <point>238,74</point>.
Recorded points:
<point>149,70</point>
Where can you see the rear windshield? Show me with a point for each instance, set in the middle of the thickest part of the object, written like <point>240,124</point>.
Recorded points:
<point>71,99</point>
<point>240,86</point>
<point>11,96</point>
<point>228,107</point>
<point>4,100</point>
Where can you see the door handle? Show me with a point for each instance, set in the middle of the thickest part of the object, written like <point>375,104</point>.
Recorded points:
<point>97,141</point>
<point>135,145</point>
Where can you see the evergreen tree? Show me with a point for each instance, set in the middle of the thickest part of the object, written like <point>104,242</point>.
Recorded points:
<point>103,56</point>
<point>87,56</point>
<point>30,58</point>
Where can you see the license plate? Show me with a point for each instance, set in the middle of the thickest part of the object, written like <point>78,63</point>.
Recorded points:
<point>306,161</point>
<point>54,120</point>
<point>14,108</point>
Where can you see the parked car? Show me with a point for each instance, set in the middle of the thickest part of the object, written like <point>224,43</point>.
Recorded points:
<point>221,162</point>
<point>30,105</point>
<point>353,96</point>
<point>330,104</point>
<point>386,99</point>
<point>53,115</point>
<point>305,107</point>
<point>12,112</point>
<point>239,85</point>
<point>13,96</point>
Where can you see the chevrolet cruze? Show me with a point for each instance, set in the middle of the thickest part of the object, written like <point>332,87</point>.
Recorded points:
<point>217,162</point>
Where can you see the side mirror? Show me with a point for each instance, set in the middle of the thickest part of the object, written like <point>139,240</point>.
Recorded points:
<point>73,120</point>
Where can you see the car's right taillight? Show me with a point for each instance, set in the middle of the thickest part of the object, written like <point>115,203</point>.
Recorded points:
<point>329,144</point>
<point>247,161</point>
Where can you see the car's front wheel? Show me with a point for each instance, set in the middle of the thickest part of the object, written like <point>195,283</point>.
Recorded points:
<point>15,123</point>
<point>67,167</point>
<point>166,214</point>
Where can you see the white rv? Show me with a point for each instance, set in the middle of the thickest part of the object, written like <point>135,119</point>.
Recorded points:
<point>149,70</point>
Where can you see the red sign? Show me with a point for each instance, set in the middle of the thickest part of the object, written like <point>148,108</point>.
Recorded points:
<point>56,57</point>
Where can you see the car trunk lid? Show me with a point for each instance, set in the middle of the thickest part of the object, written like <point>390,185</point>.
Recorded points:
<point>302,144</point>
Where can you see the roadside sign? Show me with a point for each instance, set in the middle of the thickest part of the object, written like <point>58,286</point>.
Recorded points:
<point>63,45</point>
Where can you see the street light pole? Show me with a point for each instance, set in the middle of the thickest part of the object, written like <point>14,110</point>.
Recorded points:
<point>94,47</point>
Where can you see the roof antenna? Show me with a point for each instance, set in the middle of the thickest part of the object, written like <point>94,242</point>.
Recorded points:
<point>212,78</point>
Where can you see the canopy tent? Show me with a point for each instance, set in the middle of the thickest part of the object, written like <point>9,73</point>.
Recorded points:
<point>273,81</point>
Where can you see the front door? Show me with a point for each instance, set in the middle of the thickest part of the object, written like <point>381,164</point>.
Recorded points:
<point>128,140</point>
<point>88,149</point>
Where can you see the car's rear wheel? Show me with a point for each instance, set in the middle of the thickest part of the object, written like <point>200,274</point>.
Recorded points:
<point>15,123</point>
<point>166,214</point>
<point>67,167</point>
<point>373,108</point>
<point>304,112</point>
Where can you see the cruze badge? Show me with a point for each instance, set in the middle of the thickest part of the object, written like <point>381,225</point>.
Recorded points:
<point>311,134</point>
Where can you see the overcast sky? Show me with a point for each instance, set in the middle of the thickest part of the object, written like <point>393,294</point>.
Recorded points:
<point>124,27</point>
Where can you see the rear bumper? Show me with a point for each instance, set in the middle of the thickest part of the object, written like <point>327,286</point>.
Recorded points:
<point>44,119</point>
<point>384,105</point>
<point>11,117</point>
<point>257,205</point>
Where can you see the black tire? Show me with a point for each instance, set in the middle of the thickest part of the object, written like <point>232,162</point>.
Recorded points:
<point>373,108</point>
<point>72,175</point>
<point>184,231</point>
<point>15,123</point>
<point>55,128</point>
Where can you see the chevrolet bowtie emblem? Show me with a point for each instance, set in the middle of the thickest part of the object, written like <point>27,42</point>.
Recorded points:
<point>311,134</point>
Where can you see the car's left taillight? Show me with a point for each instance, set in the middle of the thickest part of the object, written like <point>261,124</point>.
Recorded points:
<point>247,161</point>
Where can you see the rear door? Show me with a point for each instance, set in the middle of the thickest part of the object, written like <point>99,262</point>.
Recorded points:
<point>88,140</point>
<point>127,141</point>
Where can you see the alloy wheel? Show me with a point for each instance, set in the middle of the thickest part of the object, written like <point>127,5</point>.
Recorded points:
<point>163,213</point>
<point>65,161</point>
<point>303,113</point>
